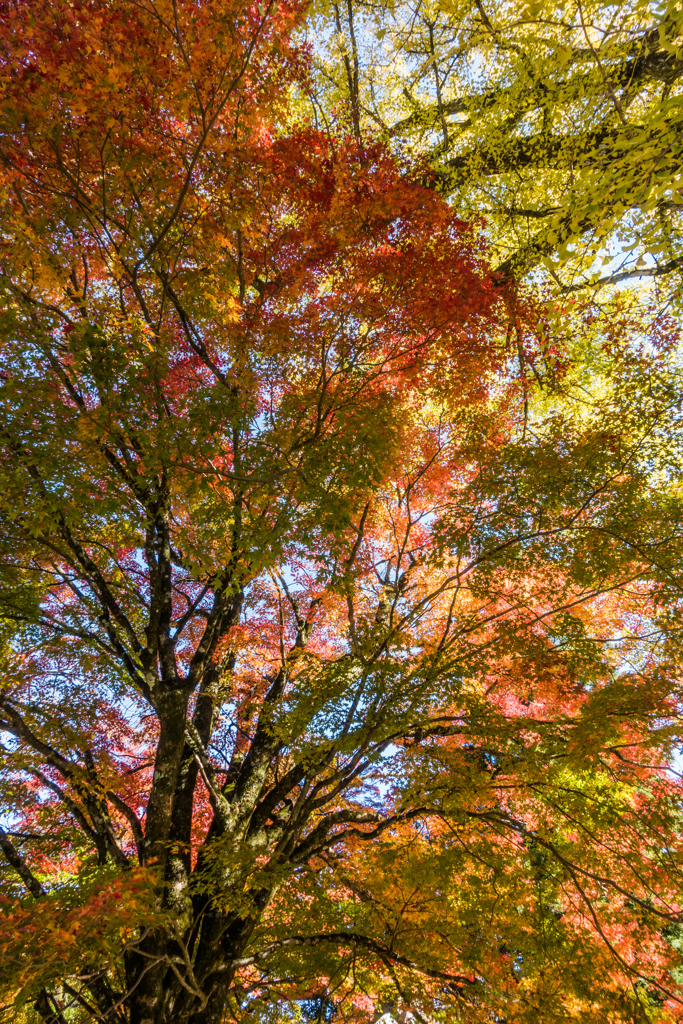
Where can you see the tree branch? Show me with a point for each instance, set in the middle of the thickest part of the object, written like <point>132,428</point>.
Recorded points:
<point>15,859</point>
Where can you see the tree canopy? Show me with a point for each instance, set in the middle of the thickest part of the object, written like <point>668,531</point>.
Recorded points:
<point>559,122</point>
<point>339,570</point>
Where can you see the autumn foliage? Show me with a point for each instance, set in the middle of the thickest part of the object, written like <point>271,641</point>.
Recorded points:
<point>338,580</point>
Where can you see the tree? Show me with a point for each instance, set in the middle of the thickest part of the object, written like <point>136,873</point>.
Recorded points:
<point>339,584</point>
<point>558,122</point>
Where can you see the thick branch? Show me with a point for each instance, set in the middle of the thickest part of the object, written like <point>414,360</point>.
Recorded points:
<point>20,866</point>
<point>348,939</point>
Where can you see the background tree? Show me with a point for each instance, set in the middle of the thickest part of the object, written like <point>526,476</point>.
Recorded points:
<point>559,123</point>
<point>339,593</point>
